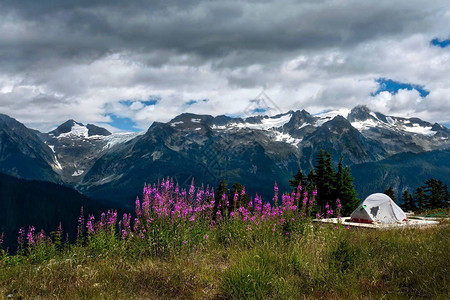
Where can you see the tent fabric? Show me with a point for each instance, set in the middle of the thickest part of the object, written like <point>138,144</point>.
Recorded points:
<point>378,208</point>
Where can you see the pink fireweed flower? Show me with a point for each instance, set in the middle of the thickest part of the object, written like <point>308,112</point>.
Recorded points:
<point>249,227</point>
<point>138,207</point>
<point>205,237</point>
<point>2,237</point>
<point>21,238</point>
<point>41,236</point>
<point>338,209</point>
<point>90,224</point>
<point>30,237</point>
<point>315,192</point>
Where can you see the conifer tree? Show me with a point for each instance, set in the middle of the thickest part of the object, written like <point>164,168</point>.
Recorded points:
<point>420,198</point>
<point>345,191</point>
<point>299,178</point>
<point>408,202</point>
<point>324,178</point>
<point>390,192</point>
<point>436,193</point>
<point>242,198</point>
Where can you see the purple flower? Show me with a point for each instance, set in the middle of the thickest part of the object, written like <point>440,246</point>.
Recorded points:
<point>30,235</point>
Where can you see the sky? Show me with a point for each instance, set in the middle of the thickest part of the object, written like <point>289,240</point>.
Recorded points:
<point>125,64</point>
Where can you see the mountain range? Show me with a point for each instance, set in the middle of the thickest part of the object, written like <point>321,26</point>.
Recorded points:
<point>255,151</point>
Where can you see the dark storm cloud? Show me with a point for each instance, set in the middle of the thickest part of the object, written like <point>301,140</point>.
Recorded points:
<point>228,32</point>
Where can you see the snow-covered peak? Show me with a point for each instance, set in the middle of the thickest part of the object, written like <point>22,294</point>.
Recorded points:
<point>329,115</point>
<point>78,130</point>
<point>261,123</point>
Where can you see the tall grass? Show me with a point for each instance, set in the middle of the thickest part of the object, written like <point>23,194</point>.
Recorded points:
<point>177,247</point>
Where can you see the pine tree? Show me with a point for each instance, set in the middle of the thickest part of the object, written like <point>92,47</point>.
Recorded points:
<point>391,193</point>
<point>446,197</point>
<point>325,178</point>
<point>408,202</point>
<point>242,196</point>
<point>436,193</point>
<point>420,198</point>
<point>299,179</point>
<point>345,191</point>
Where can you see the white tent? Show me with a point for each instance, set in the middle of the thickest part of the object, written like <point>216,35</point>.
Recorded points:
<point>378,208</point>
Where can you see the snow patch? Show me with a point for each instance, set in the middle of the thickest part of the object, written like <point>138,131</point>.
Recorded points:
<point>52,147</point>
<point>391,121</point>
<point>196,120</point>
<point>304,125</point>
<point>364,125</point>
<point>176,123</point>
<point>333,113</point>
<point>284,137</point>
<point>77,173</point>
<point>198,128</point>
<point>77,130</point>
<point>416,128</point>
<point>57,165</point>
<point>119,138</point>
<point>266,123</point>
<point>219,127</point>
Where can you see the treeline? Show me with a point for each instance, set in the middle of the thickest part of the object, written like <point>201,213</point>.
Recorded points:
<point>432,194</point>
<point>330,183</point>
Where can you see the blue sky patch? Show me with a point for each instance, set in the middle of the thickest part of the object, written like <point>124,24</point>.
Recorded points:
<point>392,87</point>
<point>125,124</point>
<point>440,43</point>
<point>149,102</point>
<point>259,111</point>
<point>191,102</point>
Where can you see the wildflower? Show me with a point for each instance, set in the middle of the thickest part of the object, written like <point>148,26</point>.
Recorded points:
<point>80,223</point>
<point>21,238</point>
<point>30,235</point>
<point>2,237</point>
<point>184,242</point>
<point>205,237</point>
<point>138,207</point>
<point>90,224</point>
<point>338,209</point>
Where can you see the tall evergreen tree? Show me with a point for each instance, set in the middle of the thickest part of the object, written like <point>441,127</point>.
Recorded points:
<point>420,198</point>
<point>242,196</point>
<point>436,193</point>
<point>408,202</point>
<point>446,197</point>
<point>391,193</point>
<point>325,178</point>
<point>345,190</point>
<point>299,178</point>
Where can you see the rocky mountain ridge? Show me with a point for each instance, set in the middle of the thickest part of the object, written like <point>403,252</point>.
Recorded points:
<point>254,151</point>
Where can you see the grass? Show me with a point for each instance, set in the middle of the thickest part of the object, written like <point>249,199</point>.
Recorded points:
<point>236,261</point>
